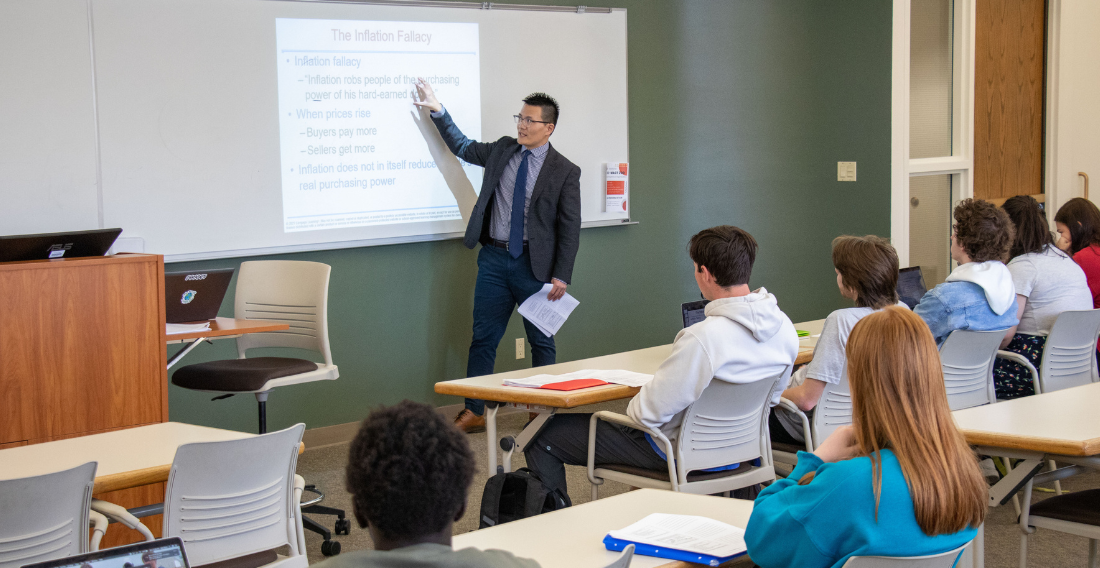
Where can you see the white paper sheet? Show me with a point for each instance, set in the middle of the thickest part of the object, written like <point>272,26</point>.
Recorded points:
<point>546,315</point>
<point>176,328</point>
<point>686,532</point>
<point>614,376</point>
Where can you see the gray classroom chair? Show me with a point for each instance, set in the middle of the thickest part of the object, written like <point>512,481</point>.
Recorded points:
<point>967,358</point>
<point>1077,514</point>
<point>727,425</point>
<point>623,561</point>
<point>235,498</point>
<point>1069,356</point>
<point>47,516</point>
<point>941,560</point>
<point>833,410</point>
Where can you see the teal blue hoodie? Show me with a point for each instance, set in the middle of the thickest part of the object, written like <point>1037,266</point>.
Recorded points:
<point>833,517</point>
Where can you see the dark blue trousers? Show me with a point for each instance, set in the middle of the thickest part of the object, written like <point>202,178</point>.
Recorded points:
<point>503,283</point>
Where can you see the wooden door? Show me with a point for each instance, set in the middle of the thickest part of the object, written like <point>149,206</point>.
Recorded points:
<point>1009,70</point>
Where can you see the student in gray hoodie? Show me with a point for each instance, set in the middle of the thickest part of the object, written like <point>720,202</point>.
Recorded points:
<point>744,338</point>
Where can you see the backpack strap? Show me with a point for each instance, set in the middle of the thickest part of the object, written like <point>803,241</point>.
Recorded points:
<point>490,501</point>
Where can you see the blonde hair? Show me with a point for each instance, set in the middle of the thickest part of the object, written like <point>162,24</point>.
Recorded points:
<point>899,403</point>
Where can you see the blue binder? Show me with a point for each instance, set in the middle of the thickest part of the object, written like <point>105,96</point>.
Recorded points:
<point>618,545</point>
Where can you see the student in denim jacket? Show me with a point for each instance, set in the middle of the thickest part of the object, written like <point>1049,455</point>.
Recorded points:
<point>979,294</point>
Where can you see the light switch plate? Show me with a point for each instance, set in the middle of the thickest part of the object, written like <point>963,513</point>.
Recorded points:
<point>845,171</point>
<point>519,348</point>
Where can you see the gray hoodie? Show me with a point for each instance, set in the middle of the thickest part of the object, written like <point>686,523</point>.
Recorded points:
<point>743,340</point>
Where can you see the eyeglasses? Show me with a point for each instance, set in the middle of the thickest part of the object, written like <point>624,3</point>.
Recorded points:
<point>526,121</point>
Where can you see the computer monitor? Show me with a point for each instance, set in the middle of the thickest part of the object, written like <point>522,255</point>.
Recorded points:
<point>161,553</point>
<point>693,312</point>
<point>46,246</point>
<point>911,286</point>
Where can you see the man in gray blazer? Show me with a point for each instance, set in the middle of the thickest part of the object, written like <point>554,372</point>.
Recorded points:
<point>527,219</point>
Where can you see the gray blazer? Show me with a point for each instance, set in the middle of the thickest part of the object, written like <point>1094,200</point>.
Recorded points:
<point>554,216</point>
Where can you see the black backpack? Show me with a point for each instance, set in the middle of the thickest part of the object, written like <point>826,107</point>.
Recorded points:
<point>517,495</point>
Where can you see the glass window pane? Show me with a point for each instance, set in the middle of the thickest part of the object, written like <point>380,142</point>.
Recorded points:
<point>930,226</point>
<point>931,74</point>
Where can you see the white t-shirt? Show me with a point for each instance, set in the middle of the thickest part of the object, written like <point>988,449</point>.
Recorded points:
<point>1053,283</point>
<point>830,362</point>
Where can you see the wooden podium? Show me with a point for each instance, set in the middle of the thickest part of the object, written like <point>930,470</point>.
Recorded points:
<point>82,351</point>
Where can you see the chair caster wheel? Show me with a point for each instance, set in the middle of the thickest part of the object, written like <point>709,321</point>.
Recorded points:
<point>330,548</point>
<point>343,526</point>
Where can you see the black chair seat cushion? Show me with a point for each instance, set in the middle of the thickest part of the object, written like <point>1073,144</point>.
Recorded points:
<point>662,474</point>
<point>239,375</point>
<point>1078,507</point>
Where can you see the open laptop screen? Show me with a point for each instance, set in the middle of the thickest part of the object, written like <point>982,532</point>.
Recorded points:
<point>162,553</point>
<point>693,312</point>
<point>911,286</point>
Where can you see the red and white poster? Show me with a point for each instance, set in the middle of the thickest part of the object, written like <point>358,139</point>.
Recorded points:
<point>616,186</point>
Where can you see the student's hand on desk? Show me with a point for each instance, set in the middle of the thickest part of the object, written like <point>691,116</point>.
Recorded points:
<point>427,96</point>
<point>840,445</point>
<point>557,291</point>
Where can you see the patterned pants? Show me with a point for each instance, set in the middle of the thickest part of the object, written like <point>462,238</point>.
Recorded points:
<point>1011,379</point>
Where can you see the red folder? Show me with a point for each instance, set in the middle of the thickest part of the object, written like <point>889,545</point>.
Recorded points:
<point>574,384</point>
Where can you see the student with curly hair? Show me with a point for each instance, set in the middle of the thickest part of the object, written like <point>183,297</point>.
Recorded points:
<point>408,473</point>
<point>979,294</point>
<point>900,481</point>
<point>1047,283</point>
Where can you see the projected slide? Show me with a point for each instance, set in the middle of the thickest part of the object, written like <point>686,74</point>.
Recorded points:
<point>352,152</point>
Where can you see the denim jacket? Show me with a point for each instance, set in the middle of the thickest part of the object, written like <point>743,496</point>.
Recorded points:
<point>961,305</point>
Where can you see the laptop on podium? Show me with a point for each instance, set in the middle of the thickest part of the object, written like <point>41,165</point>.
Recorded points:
<point>49,246</point>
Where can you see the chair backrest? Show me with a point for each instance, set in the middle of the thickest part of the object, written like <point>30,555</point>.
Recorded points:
<point>727,425</point>
<point>1069,356</point>
<point>967,359</point>
<point>941,560</point>
<point>46,516</point>
<point>232,498</point>
<point>833,410</point>
<point>285,291</point>
<point>623,561</point>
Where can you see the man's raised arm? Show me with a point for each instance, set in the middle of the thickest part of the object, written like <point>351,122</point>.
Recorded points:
<point>472,151</point>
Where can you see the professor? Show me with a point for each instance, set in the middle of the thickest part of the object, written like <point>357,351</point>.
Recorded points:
<point>527,219</point>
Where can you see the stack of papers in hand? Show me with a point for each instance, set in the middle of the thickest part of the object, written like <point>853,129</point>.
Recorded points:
<point>546,315</point>
<point>618,377</point>
<point>176,328</point>
<point>681,537</point>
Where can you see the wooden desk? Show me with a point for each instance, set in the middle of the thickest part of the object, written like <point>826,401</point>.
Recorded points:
<point>220,328</point>
<point>545,402</point>
<point>128,458</point>
<point>574,536</point>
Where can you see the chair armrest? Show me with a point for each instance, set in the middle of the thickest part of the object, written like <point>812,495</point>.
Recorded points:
<point>806,437</point>
<point>121,515</point>
<point>99,526</point>
<point>624,420</point>
<point>1017,358</point>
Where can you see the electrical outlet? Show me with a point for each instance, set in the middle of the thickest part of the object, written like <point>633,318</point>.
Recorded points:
<point>845,171</point>
<point>519,348</point>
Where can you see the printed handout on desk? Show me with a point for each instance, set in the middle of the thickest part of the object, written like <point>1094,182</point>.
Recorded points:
<point>614,376</point>
<point>686,532</point>
<point>546,315</point>
<point>177,328</point>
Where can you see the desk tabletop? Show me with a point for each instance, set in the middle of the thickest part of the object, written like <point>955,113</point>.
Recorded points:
<point>491,387</point>
<point>127,458</point>
<point>221,327</point>
<point>574,536</point>
<point>1061,422</point>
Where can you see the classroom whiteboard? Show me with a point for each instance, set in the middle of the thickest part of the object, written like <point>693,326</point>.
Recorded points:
<point>163,117</point>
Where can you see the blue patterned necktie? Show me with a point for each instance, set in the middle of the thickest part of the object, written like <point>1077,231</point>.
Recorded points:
<point>519,200</point>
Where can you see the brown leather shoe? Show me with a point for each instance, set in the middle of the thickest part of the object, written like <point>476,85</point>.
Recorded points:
<point>469,422</point>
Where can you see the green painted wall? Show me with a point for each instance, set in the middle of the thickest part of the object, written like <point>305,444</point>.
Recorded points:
<point>739,111</point>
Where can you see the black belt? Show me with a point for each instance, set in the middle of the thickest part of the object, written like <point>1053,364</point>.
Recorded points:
<point>504,244</point>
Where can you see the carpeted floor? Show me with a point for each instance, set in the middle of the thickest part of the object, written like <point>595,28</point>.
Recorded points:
<point>324,467</point>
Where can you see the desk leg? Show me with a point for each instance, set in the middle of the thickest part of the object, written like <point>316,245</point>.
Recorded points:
<point>529,432</point>
<point>491,435</point>
<point>183,352</point>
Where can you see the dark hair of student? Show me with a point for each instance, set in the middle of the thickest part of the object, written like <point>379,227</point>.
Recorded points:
<point>1032,230</point>
<point>1082,218</point>
<point>550,108</point>
<point>869,267</point>
<point>727,251</point>
<point>983,230</point>
<point>408,471</point>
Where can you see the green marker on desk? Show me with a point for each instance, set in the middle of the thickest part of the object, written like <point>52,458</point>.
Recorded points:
<point>802,333</point>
